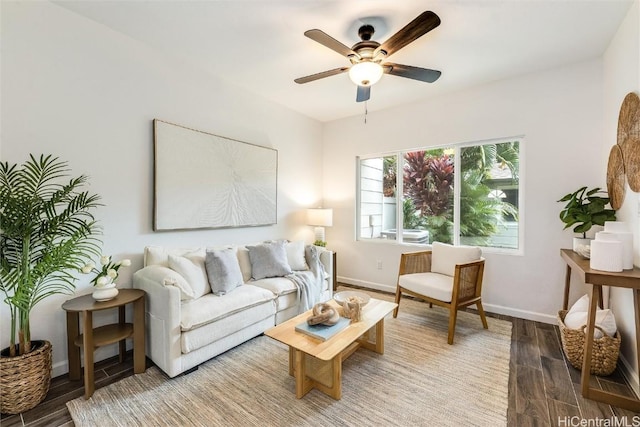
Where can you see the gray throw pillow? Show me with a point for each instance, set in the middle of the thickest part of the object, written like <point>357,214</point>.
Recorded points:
<point>268,260</point>
<point>223,271</point>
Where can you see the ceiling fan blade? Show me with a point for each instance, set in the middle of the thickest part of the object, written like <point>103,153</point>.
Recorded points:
<point>364,93</point>
<point>328,41</point>
<point>415,29</point>
<point>321,75</point>
<point>410,72</point>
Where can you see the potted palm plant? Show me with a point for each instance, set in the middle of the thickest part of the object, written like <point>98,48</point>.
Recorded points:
<point>584,209</point>
<point>47,233</point>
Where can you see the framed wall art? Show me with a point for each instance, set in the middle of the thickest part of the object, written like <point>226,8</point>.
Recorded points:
<point>202,180</point>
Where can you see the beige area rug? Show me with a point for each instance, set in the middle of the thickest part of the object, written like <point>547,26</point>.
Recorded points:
<point>420,380</point>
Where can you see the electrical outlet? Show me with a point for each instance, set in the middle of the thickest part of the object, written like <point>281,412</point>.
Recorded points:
<point>379,264</point>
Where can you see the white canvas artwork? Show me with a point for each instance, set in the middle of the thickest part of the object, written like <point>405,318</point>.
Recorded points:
<point>209,181</point>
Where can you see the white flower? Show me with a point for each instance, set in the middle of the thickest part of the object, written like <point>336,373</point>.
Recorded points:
<point>103,280</point>
<point>88,268</point>
<point>125,262</point>
<point>112,273</point>
<point>104,259</point>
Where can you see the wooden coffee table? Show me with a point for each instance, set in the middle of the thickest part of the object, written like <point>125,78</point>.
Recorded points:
<point>318,364</point>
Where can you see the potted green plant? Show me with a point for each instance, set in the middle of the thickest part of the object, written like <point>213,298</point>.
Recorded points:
<point>47,234</point>
<point>584,209</point>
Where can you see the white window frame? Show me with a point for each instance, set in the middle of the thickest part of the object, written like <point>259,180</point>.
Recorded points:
<point>456,190</point>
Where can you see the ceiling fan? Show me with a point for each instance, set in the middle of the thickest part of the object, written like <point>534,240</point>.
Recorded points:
<point>367,56</point>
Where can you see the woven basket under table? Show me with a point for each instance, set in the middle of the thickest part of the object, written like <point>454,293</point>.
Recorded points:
<point>25,379</point>
<point>605,351</point>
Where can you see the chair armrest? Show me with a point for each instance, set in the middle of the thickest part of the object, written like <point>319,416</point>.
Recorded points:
<point>415,262</point>
<point>467,279</point>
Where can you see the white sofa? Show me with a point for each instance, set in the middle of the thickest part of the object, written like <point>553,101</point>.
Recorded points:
<point>185,330</point>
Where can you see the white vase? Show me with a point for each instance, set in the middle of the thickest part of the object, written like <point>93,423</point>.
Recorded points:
<point>582,246</point>
<point>105,292</point>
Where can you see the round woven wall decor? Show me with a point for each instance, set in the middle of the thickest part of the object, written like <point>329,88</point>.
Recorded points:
<point>629,118</point>
<point>631,156</point>
<point>615,177</point>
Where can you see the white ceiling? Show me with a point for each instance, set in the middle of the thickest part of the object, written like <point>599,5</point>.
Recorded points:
<point>259,44</point>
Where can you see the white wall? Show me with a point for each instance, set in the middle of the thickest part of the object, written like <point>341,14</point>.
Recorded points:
<point>560,115</point>
<point>77,89</point>
<point>621,76</point>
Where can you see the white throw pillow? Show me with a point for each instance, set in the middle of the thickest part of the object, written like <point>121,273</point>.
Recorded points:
<point>191,267</point>
<point>295,255</point>
<point>175,279</point>
<point>577,316</point>
<point>581,305</point>
<point>444,257</point>
<point>604,319</point>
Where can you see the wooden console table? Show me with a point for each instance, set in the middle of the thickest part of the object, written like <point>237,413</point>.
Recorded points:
<point>103,335</point>
<point>627,279</point>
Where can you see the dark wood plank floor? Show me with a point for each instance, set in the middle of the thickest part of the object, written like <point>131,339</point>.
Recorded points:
<point>544,390</point>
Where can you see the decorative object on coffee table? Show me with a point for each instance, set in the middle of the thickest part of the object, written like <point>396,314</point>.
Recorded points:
<point>352,303</point>
<point>323,314</point>
<point>48,232</point>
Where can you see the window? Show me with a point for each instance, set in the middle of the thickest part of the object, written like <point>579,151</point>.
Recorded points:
<point>465,194</point>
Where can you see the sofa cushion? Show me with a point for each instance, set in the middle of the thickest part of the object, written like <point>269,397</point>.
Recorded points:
<point>191,267</point>
<point>295,255</point>
<point>213,332</point>
<point>434,285</point>
<point>159,255</point>
<point>223,270</point>
<point>211,308</point>
<point>277,285</point>
<point>245,263</point>
<point>445,257</point>
<point>268,260</point>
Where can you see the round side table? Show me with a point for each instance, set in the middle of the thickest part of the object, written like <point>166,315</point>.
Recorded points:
<point>92,338</point>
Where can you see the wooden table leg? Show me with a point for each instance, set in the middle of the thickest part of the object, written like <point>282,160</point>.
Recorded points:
<point>596,394</point>
<point>303,384</point>
<point>588,350</point>
<point>88,348</point>
<point>138,336</point>
<point>123,343</point>
<point>567,286</point>
<point>73,351</point>
<point>380,337</point>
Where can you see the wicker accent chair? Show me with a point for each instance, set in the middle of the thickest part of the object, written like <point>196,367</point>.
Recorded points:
<point>448,276</point>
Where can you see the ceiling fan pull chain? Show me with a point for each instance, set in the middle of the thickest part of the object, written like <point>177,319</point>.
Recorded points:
<point>366,111</point>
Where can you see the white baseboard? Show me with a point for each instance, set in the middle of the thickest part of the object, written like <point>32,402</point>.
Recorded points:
<point>492,308</point>
<point>630,375</point>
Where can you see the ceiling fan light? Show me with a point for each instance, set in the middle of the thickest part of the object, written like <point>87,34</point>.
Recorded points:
<point>365,73</point>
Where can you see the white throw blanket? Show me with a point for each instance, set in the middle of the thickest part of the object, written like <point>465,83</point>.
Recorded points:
<point>309,282</point>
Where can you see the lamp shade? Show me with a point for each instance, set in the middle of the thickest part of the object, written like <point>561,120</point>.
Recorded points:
<point>320,217</point>
<point>365,73</point>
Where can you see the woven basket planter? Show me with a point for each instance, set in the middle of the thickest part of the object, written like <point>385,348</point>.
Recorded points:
<point>606,350</point>
<point>25,379</point>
